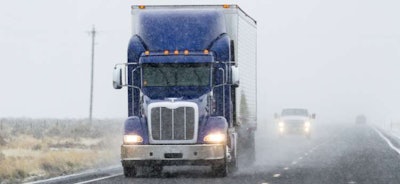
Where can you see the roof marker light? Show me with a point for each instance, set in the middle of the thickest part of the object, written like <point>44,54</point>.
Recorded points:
<point>166,52</point>
<point>146,52</point>
<point>206,51</point>
<point>142,7</point>
<point>186,52</point>
<point>176,52</point>
<point>226,6</point>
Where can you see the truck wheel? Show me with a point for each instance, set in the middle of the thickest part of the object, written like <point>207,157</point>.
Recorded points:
<point>129,172</point>
<point>233,166</point>
<point>249,151</point>
<point>246,148</point>
<point>219,170</point>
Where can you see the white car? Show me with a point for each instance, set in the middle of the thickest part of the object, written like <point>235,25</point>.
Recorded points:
<point>295,121</point>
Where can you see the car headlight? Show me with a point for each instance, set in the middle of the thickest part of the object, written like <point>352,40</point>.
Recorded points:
<point>281,124</point>
<point>132,139</point>
<point>215,138</point>
<point>307,124</point>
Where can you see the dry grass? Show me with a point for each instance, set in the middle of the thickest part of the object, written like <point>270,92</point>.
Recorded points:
<point>29,154</point>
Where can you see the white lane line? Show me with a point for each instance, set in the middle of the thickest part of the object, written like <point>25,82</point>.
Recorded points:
<point>76,174</point>
<point>294,163</point>
<point>277,175</point>
<point>306,154</point>
<point>387,141</point>
<point>98,179</point>
<point>300,158</point>
<point>286,168</point>
<point>352,182</point>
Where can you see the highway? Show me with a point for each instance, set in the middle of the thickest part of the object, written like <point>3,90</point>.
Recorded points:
<point>336,153</point>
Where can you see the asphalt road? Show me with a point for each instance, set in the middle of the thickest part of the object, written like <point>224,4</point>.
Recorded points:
<point>340,153</point>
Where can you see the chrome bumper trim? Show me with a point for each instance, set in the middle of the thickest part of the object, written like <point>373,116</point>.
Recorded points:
<point>178,152</point>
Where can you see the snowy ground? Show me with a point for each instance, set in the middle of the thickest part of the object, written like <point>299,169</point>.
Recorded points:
<point>393,128</point>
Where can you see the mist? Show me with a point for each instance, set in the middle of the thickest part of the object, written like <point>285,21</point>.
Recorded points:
<point>338,59</point>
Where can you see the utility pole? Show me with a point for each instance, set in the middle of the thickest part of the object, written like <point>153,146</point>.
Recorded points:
<point>93,34</point>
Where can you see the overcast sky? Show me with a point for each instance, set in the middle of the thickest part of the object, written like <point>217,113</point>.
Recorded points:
<point>338,58</point>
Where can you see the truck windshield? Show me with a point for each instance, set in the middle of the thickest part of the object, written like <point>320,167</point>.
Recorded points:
<point>165,75</point>
<point>294,112</point>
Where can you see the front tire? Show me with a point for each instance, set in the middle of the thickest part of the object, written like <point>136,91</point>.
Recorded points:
<point>219,170</point>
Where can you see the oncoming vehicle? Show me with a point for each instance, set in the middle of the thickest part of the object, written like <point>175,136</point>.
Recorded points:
<point>295,121</point>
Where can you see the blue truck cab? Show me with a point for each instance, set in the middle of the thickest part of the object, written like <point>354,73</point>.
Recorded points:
<point>185,101</point>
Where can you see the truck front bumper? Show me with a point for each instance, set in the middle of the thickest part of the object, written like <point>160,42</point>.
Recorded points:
<point>199,154</point>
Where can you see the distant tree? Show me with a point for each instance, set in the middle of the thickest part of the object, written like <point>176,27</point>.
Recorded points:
<point>244,110</point>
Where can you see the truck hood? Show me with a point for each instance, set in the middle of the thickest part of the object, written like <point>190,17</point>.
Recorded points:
<point>180,92</point>
<point>201,102</point>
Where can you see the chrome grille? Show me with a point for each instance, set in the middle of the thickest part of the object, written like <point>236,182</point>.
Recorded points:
<point>172,124</point>
<point>295,123</point>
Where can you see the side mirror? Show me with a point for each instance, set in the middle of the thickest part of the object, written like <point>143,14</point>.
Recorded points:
<point>235,76</point>
<point>117,77</point>
<point>313,116</point>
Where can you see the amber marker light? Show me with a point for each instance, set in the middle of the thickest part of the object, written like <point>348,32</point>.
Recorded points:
<point>226,6</point>
<point>186,52</point>
<point>176,52</point>
<point>166,52</point>
<point>147,53</point>
<point>142,7</point>
<point>206,51</point>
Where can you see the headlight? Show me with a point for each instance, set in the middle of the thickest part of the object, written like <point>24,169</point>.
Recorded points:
<point>307,124</point>
<point>132,139</point>
<point>215,138</point>
<point>281,124</point>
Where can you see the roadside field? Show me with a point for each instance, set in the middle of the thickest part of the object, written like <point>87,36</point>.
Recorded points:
<point>32,149</point>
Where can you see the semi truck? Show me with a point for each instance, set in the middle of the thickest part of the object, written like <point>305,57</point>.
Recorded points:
<point>191,84</point>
